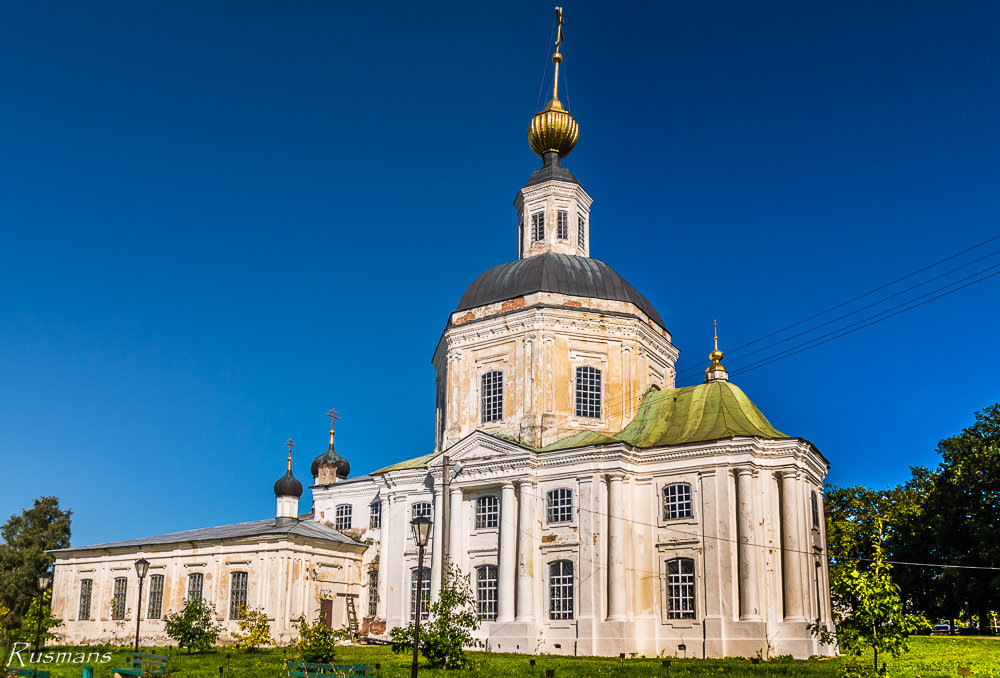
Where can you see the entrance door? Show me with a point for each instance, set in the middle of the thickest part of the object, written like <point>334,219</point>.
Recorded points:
<point>326,612</point>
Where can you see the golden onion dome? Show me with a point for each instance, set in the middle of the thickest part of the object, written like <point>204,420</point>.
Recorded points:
<point>554,129</point>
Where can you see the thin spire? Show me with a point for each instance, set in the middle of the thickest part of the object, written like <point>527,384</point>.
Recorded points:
<point>290,446</point>
<point>716,371</point>
<point>557,57</point>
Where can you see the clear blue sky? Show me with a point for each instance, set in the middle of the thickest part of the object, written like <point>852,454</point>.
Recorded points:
<point>219,220</point>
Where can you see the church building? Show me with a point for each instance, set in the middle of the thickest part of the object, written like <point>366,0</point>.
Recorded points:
<point>596,507</point>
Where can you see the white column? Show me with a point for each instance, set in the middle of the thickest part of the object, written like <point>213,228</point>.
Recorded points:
<point>747,549</point>
<point>791,559</point>
<point>508,557</point>
<point>437,544</point>
<point>616,548</point>
<point>455,527</point>
<point>525,551</point>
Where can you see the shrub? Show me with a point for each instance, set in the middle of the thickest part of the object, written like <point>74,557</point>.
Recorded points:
<point>317,641</point>
<point>255,630</point>
<point>453,617</point>
<point>193,627</point>
<point>29,622</point>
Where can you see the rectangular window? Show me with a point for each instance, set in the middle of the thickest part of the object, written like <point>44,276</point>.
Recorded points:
<point>520,233</point>
<point>342,519</point>
<point>588,392</point>
<point>486,592</point>
<point>373,593</point>
<point>425,590</point>
<point>487,512</point>
<point>581,233</point>
<point>237,595</point>
<point>155,608</point>
<point>86,590</point>
<point>676,501</point>
<point>680,588</point>
<point>559,506</point>
<point>491,396</point>
<point>376,515</point>
<point>118,600</point>
<point>196,583</point>
<point>562,225</point>
<point>561,590</point>
<point>421,508</point>
<point>815,510</point>
<point>537,227</point>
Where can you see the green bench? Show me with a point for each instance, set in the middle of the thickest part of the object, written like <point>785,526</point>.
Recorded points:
<point>29,673</point>
<point>307,670</point>
<point>140,664</point>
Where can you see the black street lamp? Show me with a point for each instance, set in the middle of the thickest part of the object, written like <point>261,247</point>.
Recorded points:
<point>44,579</point>
<point>421,526</point>
<point>141,568</point>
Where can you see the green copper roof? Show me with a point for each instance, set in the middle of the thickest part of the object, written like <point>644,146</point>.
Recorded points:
<point>718,409</point>
<point>416,462</point>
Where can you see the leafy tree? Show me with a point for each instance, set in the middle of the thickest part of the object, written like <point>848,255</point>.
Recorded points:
<point>877,620</point>
<point>452,618</point>
<point>23,557</point>
<point>30,626</point>
<point>317,641</point>
<point>255,630</point>
<point>193,627</point>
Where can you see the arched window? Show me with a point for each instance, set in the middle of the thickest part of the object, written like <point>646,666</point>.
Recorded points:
<point>86,590</point>
<point>491,396</point>
<point>155,606</point>
<point>238,595</point>
<point>425,592</point>
<point>375,518</point>
<point>487,511</point>
<point>561,590</point>
<point>680,588</point>
<point>342,517</point>
<point>118,600</point>
<point>562,225</point>
<point>420,508</point>
<point>676,501</point>
<point>559,505</point>
<point>588,392</point>
<point>373,592</point>
<point>196,585</point>
<point>486,592</point>
<point>537,227</point>
<point>815,509</point>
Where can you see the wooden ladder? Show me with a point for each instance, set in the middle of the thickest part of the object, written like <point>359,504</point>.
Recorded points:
<point>352,616</point>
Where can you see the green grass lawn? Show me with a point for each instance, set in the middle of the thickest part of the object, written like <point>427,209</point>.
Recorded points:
<point>928,658</point>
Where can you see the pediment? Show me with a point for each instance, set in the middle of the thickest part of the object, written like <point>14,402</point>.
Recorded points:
<point>478,446</point>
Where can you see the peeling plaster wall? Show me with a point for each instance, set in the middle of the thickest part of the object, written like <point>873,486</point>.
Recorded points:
<point>286,578</point>
<point>537,342</point>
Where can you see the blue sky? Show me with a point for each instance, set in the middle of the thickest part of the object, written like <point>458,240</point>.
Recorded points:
<point>220,220</point>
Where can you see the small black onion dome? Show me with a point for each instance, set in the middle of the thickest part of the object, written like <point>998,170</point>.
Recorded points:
<point>288,486</point>
<point>332,458</point>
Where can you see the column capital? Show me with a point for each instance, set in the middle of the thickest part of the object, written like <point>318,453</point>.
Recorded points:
<point>616,476</point>
<point>526,483</point>
<point>744,471</point>
<point>456,491</point>
<point>788,473</point>
<point>507,483</point>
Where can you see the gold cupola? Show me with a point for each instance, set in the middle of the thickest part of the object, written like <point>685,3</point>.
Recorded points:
<point>716,371</point>
<point>554,130</point>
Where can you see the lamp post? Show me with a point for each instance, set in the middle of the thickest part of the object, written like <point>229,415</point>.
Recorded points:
<point>421,526</point>
<point>141,568</point>
<point>44,579</point>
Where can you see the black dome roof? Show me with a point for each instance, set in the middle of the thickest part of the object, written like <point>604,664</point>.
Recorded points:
<point>560,273</point>
<point>288,486</point>
<point>334,459</point>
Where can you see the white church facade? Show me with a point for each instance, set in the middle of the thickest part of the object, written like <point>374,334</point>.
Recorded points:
<point>597,508</point>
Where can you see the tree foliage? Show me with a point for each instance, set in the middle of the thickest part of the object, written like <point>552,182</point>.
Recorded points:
<point>23,557</point>
<point>448,632</point>
<point>876,620</point>
<point>30,625</point>
<point>947,515</point>
<point>193,627</point>
<point>255,630</point>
